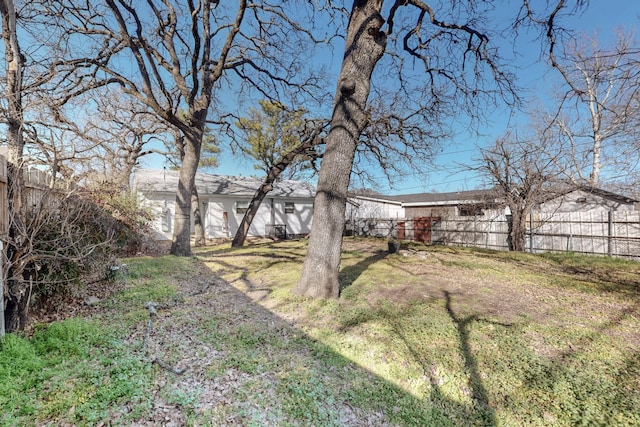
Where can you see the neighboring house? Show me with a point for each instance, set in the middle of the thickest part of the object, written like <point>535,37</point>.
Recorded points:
<point>458,203</point>
<point>589,199</point>
<point>480,203</point>
<point>474,217</point>
<point>287,209</point>
<point>374,207</point>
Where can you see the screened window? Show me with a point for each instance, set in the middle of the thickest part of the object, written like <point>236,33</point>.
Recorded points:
<point>166,220</point>
<point>289,207</point>
<point>242,206</point>
<point>470,210</point>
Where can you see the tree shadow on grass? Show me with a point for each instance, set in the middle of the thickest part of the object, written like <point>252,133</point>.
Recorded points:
<point>279,374</point>
<point>350,273</point>
<point>479,393</point>
<point>480,413</point>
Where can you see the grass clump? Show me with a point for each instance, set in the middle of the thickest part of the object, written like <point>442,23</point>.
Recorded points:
<point>70,372</point>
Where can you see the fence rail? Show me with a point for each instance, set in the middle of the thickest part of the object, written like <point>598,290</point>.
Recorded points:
<point>37,184</point>
<point>603,233</point>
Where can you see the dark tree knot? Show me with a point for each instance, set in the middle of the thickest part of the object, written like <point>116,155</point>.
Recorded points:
<point>347,87</point>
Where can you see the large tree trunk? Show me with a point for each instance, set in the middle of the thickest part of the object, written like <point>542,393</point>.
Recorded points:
<point>181,245</point>
<point>517,233</point>
<point>16,308</point>
<point>198,223</point>
<point>365,45</point>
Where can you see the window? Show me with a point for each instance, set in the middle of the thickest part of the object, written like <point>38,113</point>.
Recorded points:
<point>242,206</point>
<point>166,220</point>
<point>289,207</point>
<point>470,210</point>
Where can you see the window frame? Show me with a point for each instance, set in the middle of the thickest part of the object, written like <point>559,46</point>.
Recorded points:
<point>242,206</point>
<point>471,209</point>
<point>289,207</point>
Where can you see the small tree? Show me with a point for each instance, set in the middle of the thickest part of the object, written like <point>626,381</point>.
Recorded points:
<point>523,176</point>
<point>272,131</point>
<point>280,141</point>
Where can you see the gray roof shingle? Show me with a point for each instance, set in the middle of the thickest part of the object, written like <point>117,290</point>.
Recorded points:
<point>430,198</point>
<point>166,181</point>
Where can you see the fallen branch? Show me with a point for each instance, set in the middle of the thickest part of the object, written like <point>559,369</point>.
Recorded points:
<point>168,367</point>
<point>151,306</point>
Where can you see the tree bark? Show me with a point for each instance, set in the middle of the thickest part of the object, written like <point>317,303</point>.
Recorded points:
<point>250,214</point>
<point>517,233</point>
<point>198,223</point>
<point>181,245</point>
<point>365,45</point>
<point>16,308</point>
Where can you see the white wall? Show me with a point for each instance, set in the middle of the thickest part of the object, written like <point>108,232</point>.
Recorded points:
<point>583,201</point>
<point>374,209</point>
<point>271,211</point>
<point>160,206</point>
<point>298,222</point>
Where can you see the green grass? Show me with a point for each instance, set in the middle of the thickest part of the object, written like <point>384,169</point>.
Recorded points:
<point>75,370</point>
<point>456,337</point>
<point>410,322</point>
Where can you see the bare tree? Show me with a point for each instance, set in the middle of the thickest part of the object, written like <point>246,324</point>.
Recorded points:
<point>37,135</point>
<point>450,41</point>
<point>521,174</point>
<point>176,55</point>
<point>105,143</point>
<point>127,131</point>
<point>597,115</point>
<point>15,290</point>
<point>398,139</point>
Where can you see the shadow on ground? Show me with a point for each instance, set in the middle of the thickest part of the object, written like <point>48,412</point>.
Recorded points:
<point>262,370</point>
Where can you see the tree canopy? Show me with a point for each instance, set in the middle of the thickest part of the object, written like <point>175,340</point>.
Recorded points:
<point>460,69</point>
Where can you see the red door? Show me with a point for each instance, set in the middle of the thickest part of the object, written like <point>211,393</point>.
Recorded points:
<point>422,228</point>
<point>401,235</point>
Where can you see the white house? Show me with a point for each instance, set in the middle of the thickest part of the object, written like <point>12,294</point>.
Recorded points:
<point>481,203</point>
<point>374,207</point>
<point>287,209</point>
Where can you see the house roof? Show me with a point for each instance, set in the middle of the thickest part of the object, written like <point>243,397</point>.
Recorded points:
<point>607,194</point>
<point>475,196</point>
<point>166,181</point>
<point>422,199</point>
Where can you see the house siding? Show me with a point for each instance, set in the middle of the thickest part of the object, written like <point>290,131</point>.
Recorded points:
<point>584,201</point>
<point>218,198</point>
<point>299,222</point>
<point>363,208</point>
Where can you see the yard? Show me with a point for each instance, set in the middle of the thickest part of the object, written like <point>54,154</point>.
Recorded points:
<point>431,336</point>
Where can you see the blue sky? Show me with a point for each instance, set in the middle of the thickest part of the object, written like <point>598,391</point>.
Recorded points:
<point>601,17</point>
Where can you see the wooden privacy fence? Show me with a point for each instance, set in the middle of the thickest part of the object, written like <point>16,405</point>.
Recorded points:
<point>603,233</point>
<point>37,185</point>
